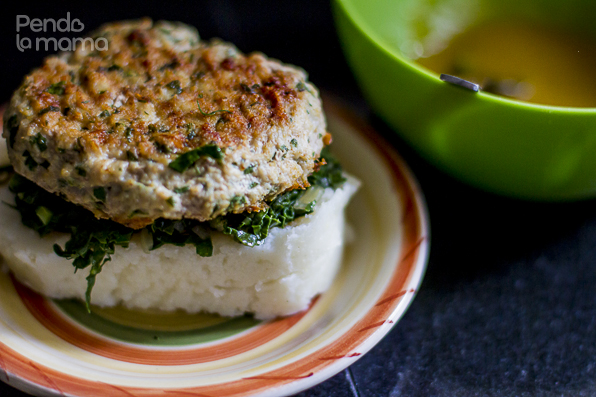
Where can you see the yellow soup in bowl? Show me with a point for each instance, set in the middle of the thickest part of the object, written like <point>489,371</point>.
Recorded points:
<point>523,61</point>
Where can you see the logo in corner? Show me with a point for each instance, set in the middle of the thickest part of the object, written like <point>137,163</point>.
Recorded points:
<point>61,25</point>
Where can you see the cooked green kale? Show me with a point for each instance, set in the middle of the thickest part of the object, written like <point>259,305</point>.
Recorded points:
<point>252,228</point>
<point>92,241</point>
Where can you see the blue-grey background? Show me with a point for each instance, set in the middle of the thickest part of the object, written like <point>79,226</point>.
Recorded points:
<point>508,305</point>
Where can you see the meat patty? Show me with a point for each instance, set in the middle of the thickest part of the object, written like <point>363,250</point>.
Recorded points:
<point>164,125</point>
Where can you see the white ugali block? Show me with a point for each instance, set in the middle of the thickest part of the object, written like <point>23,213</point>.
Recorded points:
<point>277,278</point>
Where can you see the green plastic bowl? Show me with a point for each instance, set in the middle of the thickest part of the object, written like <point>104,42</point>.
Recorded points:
<point>504,146</point>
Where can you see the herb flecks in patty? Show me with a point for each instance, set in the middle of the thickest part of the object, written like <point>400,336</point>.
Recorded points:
<point>210,113</point>
<point>57,88</point>
<point>186,160</point>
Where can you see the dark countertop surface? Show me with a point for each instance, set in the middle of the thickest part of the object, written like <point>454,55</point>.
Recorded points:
<point>508,304</point>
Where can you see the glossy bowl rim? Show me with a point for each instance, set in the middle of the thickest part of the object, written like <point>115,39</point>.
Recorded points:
<point>365,30</point>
